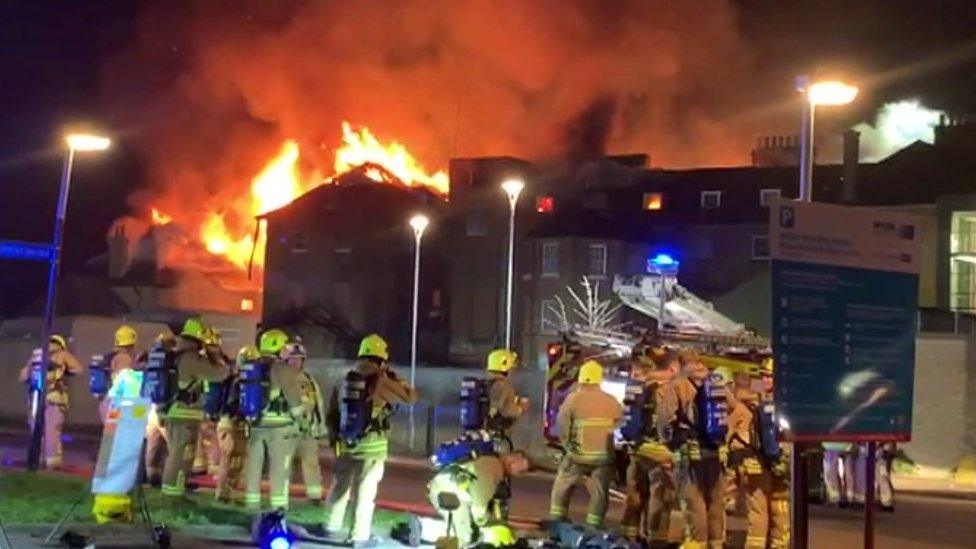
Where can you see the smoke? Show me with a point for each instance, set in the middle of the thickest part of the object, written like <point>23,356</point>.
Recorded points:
<point>897,125</point>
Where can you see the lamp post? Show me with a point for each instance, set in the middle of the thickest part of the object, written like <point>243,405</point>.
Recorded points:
<point>830,92</point>
<point>512,188</point>
<point>419,224</point>
<point>76,142</point>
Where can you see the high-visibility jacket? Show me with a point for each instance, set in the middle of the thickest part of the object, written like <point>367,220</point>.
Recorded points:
<point>195,369</point>
<point>585,423</point>
<point>388,391</point>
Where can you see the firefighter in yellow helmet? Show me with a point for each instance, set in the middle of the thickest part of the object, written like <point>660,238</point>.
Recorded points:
<point>122,357</point>
<point>232,435</point>
<point>182,416</point>
<point>207,455</point>
<point>650,471</point>
<point>360,457</point>
<point>274,434</point>
<point>505,405</point>
<point>699,468</point>
<point>311,425</point>
<point>585,423</point>
<point>61,365</point>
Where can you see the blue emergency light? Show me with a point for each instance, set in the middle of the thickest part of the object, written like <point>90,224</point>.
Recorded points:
<point>662,264</point>
<point>663,260</point>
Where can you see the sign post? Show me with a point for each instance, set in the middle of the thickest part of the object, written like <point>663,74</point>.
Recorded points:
<point>845,306</point>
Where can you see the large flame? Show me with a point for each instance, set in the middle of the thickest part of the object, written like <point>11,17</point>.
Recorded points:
<point>280,182</point>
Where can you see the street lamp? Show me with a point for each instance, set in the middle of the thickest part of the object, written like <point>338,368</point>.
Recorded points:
<point>76,142</point>
<point>512,188</point>
<point>419,223</point>
<point>826,93</point>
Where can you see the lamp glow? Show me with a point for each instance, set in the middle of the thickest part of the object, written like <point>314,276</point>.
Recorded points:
<point>513,187</point>
<point>419,222</point>
<point>85,142</point>
<point>830,92</point>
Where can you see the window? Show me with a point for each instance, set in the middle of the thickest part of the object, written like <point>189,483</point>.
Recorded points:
<point>597,260</point>
<point>962,262</point>
<point>550,259</point>
<point>653,201</point>
<point>477,224</point>
<point>767,195</point>
<point>544,204</point>
<point>247,304</point>
<point>711,200</point>
<point>549,317</point>
<point>760,247</point>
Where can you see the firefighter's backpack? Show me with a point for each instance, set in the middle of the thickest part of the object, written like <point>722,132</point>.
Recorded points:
<point>474,403</point>
<point>765,431</point>
<point>99,374</point>
<point>160,383</point>
<point>254,386</point>
<point>469,446</point>
<point>712,411</point>
<point>355,406</point>
<point>637,397</point>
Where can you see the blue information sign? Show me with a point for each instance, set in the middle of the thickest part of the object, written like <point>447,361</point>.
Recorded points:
<point>28,251</point>
<point>845,306</point>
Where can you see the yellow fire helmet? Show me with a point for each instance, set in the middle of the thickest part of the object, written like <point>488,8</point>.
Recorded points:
<point>497,535</point>
<point>294,350</point>
<point>58,340</point>
<point>590,373</point>
<point>194,328</point>
<point>766,368</point>
<point>725,373</point>
<point>374,346</point>
<point>248,353</point>
<point>502,360</point>
<point>272,342</point>
<point>125,336</point>
<point>212,337</point>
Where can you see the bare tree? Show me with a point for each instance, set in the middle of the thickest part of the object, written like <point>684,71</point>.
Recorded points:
<point>588,310</point>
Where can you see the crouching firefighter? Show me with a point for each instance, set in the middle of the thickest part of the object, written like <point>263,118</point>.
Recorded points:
<point>53,378</point>
<point>763,465</point>
<point>270,400</point>
<point>693,421</point>
<point>174,381</point>
<point>359,414</point>
<point>650,471</point>
<point>472,470</point>
<point>585,423</point>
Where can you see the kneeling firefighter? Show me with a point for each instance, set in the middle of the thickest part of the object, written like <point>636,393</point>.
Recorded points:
<point>270,400</point>
<point>359,417</point>
<point>586,421</point>
<point>471,469</point>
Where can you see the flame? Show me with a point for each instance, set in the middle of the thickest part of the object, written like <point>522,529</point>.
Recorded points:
<point>159,218</point>
<point>362,147</point>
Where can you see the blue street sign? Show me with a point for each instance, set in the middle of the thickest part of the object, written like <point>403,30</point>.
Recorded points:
<point>26,251</point>
<point>845,307</point>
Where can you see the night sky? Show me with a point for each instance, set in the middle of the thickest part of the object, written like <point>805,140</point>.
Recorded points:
<point>54,56</point>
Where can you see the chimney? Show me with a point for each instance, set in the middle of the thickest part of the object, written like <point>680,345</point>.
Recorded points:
<point>852,156</point>
<point>118,252</point>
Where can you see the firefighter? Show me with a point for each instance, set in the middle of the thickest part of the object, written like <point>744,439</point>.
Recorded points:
<point>207,455</point>
<point>586,421</point>
<point>311,425</point>
<point>274,435</point>
<point>505,406</point>
<point>358,467</point>
<point>481,485</point>
<point>61,365</point>
<point>182,416</point>
<point>123,357</point>
<point>232,436</point>
<point>733,484</point>
<point>763,465</point>
<point>835,483</point>
<point>155,434</point>
<point>699,468</point>
<point>650,471</point>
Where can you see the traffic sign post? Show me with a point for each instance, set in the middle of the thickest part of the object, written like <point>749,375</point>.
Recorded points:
<point>845,306</point>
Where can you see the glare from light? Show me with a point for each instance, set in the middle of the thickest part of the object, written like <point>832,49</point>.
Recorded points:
<point>783,423</point>
<point>617,389</point>
<point>830,92</point>
<point>513,187</point>
<point>279,542</point>
<point>87,142</point>
<point>419,222</point>
<point>896,126</point>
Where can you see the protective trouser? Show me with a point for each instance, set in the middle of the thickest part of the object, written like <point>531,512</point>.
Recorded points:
<point>461,518</point>
<point>53,424</point>
<point>277,445</point>
<point>767,510</point>
<point>232,439</point>
<point>650,495</point>
<point>155,446</point>
<point>733,490</point>
<point>182,442</point>
<point>597,485</point>
<point>356,478</point>
<point>203,458</point>
<point>701,489</point>
<point>856,462</point>
<point>886,491</point>
<point>833,480</point>
<point>308,453</point>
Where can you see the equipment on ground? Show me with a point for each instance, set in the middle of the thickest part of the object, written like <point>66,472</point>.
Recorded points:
<point>712,410</point>
<point>255,389</point>
<point>355,407</point>
<point>100,375</point>
<point>474,403</point>
<point>161,379</point>
<point>467,447</point>
<point>270,531</point>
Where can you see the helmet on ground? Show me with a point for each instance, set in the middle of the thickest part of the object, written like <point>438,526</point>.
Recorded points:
<point>58,340</point>
<point>502,360</point>
<point>194,328</point>
<point>497,535</point>
<point>247,353</point>
<point>766,368</point>
<point>591,372</point>
<point>125,336</point>
<point>294,350</point>
<point>272,342</point>
<point>374,346</point>
<point>109,508</point>
<point>724,373</point>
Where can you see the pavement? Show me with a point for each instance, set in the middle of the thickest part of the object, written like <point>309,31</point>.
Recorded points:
<point>930,513</point>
